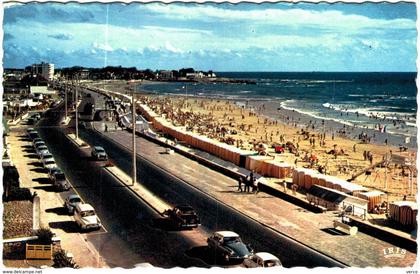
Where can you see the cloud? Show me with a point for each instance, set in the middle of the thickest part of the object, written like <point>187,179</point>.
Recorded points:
<point>61,36</point>
<point>169,47</point>
<point>102,46</point>
<point>295,18</point>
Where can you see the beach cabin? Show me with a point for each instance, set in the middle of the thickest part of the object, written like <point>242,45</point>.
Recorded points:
<point>332,199</point>
<point>404,213</point>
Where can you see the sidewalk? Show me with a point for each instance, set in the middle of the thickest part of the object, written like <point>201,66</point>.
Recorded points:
<point>33,177</point>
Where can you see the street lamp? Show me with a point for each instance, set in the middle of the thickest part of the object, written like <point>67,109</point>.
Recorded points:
<point>77,119</point>
<point>133,126</point>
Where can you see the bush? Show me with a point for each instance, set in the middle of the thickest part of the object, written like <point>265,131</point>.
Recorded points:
<point>60,260</point>
<point>45,236</point>
<point>19,194</point>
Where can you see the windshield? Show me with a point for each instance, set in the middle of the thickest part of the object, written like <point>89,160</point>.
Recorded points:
<point>271,263</point>
<point>87,213</point>
<point>60,176</point>
<point>98,149</point>
<point>75,200</point>
<point>231,239</point>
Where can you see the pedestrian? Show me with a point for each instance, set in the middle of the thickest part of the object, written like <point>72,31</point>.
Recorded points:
<point>106,127</point>
<point>240,182</point>
<point>364,155</point>
<point>247,184</point>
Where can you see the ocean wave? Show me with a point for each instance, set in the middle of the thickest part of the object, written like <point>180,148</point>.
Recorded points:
<point>381,113</point>
<point>314,114</point>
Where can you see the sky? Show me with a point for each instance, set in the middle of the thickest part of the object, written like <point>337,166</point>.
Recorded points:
<point>218,37</point>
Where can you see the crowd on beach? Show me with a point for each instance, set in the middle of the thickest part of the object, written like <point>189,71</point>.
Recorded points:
<point>340,152</point>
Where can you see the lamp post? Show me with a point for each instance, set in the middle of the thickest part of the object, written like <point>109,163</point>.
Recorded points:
<point>77,119</point>
<point>133,126</point>
<point>65,100</point>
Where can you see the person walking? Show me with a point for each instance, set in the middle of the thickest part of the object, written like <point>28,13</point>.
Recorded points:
<point>240,182</point>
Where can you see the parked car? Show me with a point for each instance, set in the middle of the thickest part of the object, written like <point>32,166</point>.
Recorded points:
<point>52,171</point>
<point>85,217</point>
<point>99,153</point>
<point>39,144</point>
<point>60,182</point>
<point>262,259</point>
<point>37,140</point>
<point>229,246</point>
<point>29,131</point>
<point>46,156</point>
<point>49,163</point>
<point>183,216</point>
<point>33,135</point>
<point>71,202</point>
<point>42,150</point>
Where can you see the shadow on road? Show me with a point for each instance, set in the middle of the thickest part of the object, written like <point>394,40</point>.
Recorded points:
<point>31,156</point>
<point>38,170</point>
<point>35,164</point>
<point>206,255</point>
<point>27,147</point>
<point>66,226</point>
<point>42,180</point>
<point>167,225</point>
<point>49,188</point>
<point>334,231</point>
<point>58,210</point>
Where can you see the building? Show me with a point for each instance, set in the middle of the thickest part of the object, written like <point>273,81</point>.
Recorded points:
<point>166,75</point>
<point>44,69</point>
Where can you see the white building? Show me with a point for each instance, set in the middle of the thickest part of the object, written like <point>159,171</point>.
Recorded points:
<point>44,69</point>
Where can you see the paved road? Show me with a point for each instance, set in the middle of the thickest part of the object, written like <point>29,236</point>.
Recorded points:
<point>128,222</point>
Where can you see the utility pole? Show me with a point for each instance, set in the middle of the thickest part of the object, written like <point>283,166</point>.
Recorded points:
<point>77,120</point>
<point>133,126</point>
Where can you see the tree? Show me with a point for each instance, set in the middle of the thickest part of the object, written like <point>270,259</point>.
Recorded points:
<point>61,259</point>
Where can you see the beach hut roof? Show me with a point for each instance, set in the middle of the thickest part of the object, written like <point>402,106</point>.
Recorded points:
<point>411,204</point>
<point>334,196</point>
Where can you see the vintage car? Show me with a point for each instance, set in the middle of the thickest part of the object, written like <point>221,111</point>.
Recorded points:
<point>71,202</point>
<point>262,259</point>
<point>229,246</point>
<point>85,217</point>
<point>58,179</point>
<point>99,153</point>
<point>183,216</point>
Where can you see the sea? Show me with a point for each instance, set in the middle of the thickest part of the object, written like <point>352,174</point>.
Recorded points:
<point>382,101</point>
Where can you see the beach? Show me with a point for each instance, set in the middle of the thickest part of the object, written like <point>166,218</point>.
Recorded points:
<point>327,144</point>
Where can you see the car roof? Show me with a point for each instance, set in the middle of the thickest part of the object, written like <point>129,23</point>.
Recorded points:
<point>72,196</point>
<point>184,207</point>
<point>98,147</point>
<point>265,256</point>
<point>84,207</point>
<point>226,234</point>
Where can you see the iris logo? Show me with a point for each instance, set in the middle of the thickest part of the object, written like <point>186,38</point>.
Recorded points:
<point>394,252</point>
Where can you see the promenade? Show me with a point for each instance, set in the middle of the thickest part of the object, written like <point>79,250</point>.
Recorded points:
<point>312,229</point>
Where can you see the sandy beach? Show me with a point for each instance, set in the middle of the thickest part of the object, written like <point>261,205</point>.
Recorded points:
<point>328,145</point>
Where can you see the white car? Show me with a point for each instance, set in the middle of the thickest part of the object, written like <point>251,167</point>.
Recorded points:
<point>85,217</point>
<point>262,259</point>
